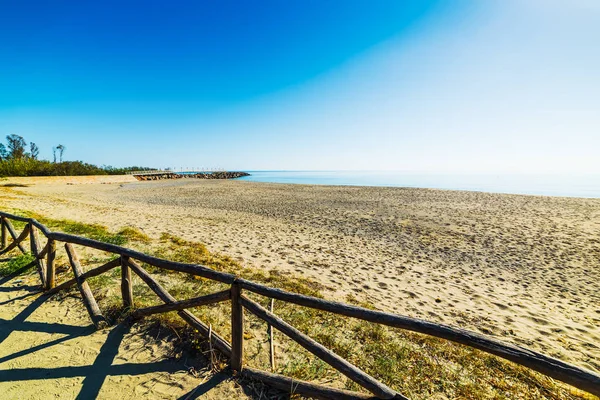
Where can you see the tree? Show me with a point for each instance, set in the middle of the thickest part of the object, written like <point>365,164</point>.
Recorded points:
<point>35,151</point>
<point>3,152</point>
<point>61,150</point>
<point>16,146</point>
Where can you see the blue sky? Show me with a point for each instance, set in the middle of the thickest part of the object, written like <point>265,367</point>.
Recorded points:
<point>421,86</point>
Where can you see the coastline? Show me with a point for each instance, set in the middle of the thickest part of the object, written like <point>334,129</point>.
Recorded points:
<point>523,268</point>
<point>578,185</point>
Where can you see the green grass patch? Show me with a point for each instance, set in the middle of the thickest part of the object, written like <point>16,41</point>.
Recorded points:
<point>92,231</point>
<point>15,264</point>
<point>132,234</point>
<point>101,281</point>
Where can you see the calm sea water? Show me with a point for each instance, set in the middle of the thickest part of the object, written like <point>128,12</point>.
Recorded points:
<point>548,185</point>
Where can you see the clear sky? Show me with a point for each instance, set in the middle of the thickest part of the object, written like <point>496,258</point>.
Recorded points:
<point>438,86</point>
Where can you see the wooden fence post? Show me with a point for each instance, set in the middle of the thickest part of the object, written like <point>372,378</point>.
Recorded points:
<point>32,248</point>
<point>237,328</point>
<point>86,293</point>
<point>271,339</point>
<point>126,284</point>
<point>50,265</point>
<point>4,234</point>
<point>33,243</point>
<point>13,233</point>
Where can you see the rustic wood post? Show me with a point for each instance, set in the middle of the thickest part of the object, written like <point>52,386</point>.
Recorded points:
<point>84,288</point>
<point>297,387</point>
<point>345,367</point>
<point>17,240</point>
<point>13,233</point>
<point>126,284</point>
<point>187,316</point>
<point>50,265</point>
<point>271,344</point>
<point>4,233</point>
<point>33,243</point>
<point>237,328</point>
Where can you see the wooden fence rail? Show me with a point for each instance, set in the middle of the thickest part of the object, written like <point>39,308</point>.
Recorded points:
<point>126,259</point>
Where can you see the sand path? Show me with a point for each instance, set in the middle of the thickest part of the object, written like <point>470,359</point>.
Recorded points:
<point>523,268</point>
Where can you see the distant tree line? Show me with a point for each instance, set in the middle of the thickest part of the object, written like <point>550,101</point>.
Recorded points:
<point>17,158</point>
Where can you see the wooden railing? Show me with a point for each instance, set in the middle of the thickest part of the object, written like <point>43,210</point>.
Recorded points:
<point>44,261</point>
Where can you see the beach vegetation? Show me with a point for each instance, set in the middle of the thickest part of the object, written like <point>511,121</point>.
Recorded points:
<point>16,146</point>
<point>92,231</point>
<point>16,264</point>
<point>133,234</point>
<point>416,365</point>
<point>34,167</point>
<point>61,149</point>
<point>15,160</point>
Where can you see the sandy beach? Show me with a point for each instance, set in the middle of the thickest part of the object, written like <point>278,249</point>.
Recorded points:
<point>525,269</point>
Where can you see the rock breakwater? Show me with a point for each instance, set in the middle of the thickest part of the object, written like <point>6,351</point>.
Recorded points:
<point>198,175</point>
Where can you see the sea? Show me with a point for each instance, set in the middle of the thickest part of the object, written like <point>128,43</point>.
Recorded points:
<point>587,186</point>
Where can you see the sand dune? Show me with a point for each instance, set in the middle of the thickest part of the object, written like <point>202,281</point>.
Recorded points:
<point>522,268</point>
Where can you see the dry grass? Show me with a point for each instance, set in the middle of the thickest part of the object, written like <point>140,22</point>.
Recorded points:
<point>416,365</point>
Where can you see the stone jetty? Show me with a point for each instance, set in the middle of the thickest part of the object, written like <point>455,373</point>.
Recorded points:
<point>154,176</point>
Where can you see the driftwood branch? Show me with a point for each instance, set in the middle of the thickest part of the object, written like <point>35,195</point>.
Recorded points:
<point>84,288</point>
<point>337,362</point>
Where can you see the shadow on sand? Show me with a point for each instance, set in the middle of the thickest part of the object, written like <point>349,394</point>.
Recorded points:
<point>96,374</point>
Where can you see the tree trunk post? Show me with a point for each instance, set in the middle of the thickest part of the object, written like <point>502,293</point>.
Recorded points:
<point>13,233</point>
<point>237,328</point>
<point>50,265</point>
<point>4,234</point>
<point>271,339</point>
<point>126,284</point>
<point>84,288</point>
<point>33,243</point>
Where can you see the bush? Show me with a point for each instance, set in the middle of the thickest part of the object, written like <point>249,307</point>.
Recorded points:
<point>28,166</point>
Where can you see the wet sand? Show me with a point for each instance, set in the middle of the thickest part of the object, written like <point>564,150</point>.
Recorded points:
<point>522,268</point>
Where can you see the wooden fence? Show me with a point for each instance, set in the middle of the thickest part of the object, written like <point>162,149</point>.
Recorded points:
<point>44,261</point>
